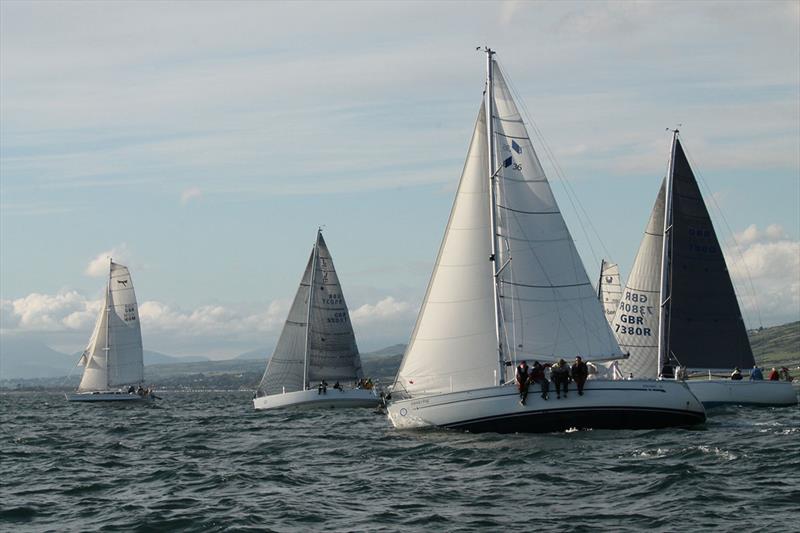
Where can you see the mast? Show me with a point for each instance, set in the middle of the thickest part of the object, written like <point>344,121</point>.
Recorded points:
<point>308,312</point>
<point>600,281</point>
<point>665,292</point>
<point>493,171</point>
<point>107,348</point>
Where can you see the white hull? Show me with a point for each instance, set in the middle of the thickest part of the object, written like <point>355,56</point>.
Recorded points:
<point>311,399</point>
<point>714,392</point>
<point>635,404</point>
<point>107,396</point>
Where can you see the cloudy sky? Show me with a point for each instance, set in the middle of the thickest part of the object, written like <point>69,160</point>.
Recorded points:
<point>203,143</point>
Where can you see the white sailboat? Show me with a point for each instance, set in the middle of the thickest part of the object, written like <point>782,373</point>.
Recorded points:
<point>679,307</point>
<point>609,288</point>
<point>509,285</point>
<point>317,346</point>
<point>113,357</point>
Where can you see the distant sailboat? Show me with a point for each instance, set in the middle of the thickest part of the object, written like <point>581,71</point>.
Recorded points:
<point>509,285</point>
<point>609,289</point>
<point>113,357</point>
<point>697,323</point>
<point>317,346</point>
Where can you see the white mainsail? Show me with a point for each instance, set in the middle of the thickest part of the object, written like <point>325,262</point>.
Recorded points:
<point>635,323</point>
<point>317,341</point>
<point>550,309</point>
<point>332,350</point>
<point>609,288</point>
<point>114,355</point>
<point>548,306</point>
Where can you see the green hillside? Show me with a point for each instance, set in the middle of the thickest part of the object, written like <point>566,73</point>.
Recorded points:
<point>777,346</point>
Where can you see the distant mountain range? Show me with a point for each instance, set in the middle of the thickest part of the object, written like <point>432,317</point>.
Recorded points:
<point>30,358</point>
<point>22,359</point>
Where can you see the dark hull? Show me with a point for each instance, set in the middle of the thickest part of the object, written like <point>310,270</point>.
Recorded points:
<point>587,418</point>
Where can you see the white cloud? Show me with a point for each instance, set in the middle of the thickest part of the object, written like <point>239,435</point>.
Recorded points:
<point>386,309</point>
<point>770,260</point>
<point>66,310</point>
<point>98,267</point>
<point>189,194</point>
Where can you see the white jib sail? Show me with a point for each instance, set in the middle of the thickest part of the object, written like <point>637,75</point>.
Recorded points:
<point>635,323</point>
<point>95,373</point>
<point>609,289</point>
<point>114,355</point>
<point>454,343</point>
<point>332,350</point>
<point>550,308</point>
<point>286,368</point>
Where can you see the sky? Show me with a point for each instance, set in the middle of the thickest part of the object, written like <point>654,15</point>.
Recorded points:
<point>202,144</point>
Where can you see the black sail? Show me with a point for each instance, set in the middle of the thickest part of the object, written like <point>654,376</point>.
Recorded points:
<point>706,329</point>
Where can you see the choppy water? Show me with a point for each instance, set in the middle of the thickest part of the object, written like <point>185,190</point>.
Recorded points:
<point>207,461</point>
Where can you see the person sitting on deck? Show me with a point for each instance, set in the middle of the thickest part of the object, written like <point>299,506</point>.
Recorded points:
<point>560,373</point>
<point>579,374</point>
<point>140,390</point>
<point>521,378</point>
<point>785,375</point>
<point>756,374</point>
<point>337,386</point>
<point>736,375</point>
<point>773,375</point>
<point>131,389</point>
<point>537,376</point>
<point>323,387</point>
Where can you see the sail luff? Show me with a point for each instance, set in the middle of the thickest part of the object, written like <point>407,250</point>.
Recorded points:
<point>110,302</point>
<point>666,264</point>
<point>493,181</point>
<point>308,312</point>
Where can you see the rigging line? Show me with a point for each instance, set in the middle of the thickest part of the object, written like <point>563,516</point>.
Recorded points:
<point>750,285</point>
<point>572,196</point>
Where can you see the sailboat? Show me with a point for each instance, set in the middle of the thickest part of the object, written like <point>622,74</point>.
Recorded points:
<point>317,349</point>
<point>113,362</point>
<point>609,288</point>
<point>679,307</point>
<point>509,285</point>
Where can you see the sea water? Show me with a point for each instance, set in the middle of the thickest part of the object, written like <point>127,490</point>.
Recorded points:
<point>207,461</point>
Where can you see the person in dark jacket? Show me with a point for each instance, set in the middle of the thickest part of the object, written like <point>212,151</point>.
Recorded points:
<point>579,374</point>
<point>522,381</point>
<point>736,375</point>
<point>537,376</point>
<point>756,374</point>
<point>560,374</point>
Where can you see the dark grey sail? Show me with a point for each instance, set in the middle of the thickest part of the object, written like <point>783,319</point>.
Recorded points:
<point>705,325</point>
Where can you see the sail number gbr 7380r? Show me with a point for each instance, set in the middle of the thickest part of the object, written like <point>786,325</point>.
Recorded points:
<point>640,313</point>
